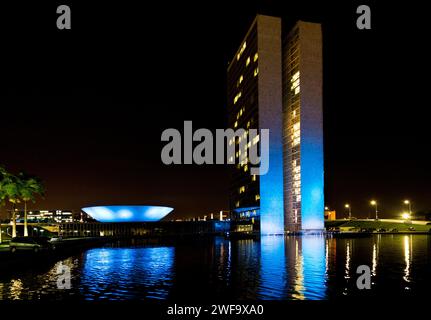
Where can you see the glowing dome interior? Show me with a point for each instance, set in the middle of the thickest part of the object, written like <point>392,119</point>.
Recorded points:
<point>127,213</point>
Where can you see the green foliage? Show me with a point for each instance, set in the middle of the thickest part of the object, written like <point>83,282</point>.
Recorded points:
<point>29,187</point>
<point>17,188</point>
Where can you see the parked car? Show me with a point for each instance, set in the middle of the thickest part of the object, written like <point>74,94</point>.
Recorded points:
<point>34,244</point>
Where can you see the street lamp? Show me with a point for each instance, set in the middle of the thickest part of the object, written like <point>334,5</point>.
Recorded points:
<point>408,203</point>
<point>347,206</point>
<point>374,203</point>
<point>406,216</point>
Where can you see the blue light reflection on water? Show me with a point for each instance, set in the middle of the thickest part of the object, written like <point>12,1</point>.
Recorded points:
<point>314,257</point>
<point>272,268</point>
<point>127,273</point>
<point>293,268</point>
<point>276,267</point>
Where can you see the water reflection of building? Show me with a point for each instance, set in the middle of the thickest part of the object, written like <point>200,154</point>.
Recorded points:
<point>293,267</point>
<point>314,257</point>
<point>43,283</point>
<point>273,273</point>
<point>331,255</point>
<point>295,264</point>
<point>245,271</point>
<point>121,273</point>
<point>339,265</point>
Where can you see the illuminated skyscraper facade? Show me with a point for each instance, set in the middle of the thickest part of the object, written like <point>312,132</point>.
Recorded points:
<point>265,91</point>
<point>254,102</point>
<point>303,128</point>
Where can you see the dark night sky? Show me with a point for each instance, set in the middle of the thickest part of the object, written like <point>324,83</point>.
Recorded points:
<point>84,109</point>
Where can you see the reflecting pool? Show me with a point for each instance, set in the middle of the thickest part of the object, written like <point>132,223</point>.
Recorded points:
<point>272,268</point>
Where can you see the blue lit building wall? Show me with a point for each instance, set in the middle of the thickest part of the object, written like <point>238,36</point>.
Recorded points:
<point>312,170</point>
<point>270,117</point>
<point>271,194</point>
<point>312,206</point>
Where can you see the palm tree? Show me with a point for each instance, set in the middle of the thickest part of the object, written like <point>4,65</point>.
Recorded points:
<point>11,186</point>
<point>29,187</point>
<point>3,173</point>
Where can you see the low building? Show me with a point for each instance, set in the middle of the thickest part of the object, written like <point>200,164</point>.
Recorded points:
<point>143,229</point>
<point>330,215</point>
<point>47,216</point>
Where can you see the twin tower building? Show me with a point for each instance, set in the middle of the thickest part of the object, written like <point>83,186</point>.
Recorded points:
<point>275,83</point>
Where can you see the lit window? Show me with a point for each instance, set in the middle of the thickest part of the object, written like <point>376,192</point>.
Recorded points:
<point>248,124</point>
<point>257,197</point>
<point>296,134</point>
<point>242,189</point>
<point>246,168</point>
<point>240,80</point>
<point>253,177</point>
<point>237,204</point>
<point>295,83</point>
<point>256,56</point>
<point>235,100</point>
<point>256,72</point>
<point>244,45</point>
<point>247,62</point>
<point>235,124</point>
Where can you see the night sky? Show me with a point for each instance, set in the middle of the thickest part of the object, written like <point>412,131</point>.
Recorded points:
<point>84,109</point>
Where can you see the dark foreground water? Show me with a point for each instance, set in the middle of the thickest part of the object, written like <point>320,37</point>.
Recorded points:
<point>274,268</point>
